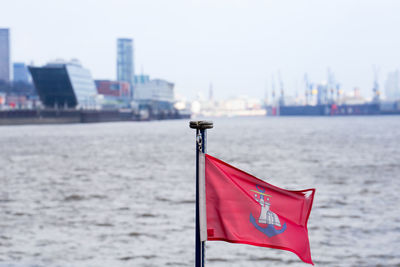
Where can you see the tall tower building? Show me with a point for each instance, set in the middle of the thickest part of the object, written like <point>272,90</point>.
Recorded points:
<point>125,63</point>
<point>5,55</point>
<point>20,72</point>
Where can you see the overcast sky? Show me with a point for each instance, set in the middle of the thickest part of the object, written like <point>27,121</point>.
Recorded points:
<point>235,45</point>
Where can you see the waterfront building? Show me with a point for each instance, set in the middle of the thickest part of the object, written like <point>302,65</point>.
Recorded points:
<point>20,72</point>
<point>154,90</point>
<point>113,94</point>
<point>5,55</point>
<point>64,85</point>
<point>125,62</point>
<point>113,88</point>
<point>392,86</point>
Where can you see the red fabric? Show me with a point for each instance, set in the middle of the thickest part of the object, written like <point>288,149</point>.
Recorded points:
<point>234,209</point>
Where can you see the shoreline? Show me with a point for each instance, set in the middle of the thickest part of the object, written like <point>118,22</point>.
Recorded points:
<point>68,116</point>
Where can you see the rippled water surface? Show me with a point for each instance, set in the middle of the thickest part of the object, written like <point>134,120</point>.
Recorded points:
<point>122,194</point>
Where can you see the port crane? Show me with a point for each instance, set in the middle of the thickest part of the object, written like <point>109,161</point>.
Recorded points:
<point>375,89</point>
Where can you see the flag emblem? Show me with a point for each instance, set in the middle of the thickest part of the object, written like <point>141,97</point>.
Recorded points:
<point>267,217</point>
<point>240,208</point>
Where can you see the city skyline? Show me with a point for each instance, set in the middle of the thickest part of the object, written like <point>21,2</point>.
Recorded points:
<point>235,45</point>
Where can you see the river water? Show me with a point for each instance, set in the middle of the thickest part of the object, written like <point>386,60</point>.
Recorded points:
<point>122,194</point>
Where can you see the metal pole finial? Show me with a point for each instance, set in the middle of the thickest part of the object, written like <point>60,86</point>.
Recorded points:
<point>201,125</point>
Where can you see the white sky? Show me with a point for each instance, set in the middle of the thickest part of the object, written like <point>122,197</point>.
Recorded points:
<point>234,44</point>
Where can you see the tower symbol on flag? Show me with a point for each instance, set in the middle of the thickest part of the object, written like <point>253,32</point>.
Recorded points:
<point>266,215</point>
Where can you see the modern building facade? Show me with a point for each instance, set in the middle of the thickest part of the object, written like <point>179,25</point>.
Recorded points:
<point>5,55</point>
<point>125,62</point>
<point>20,72</point>
<point>154,90</point>
<point>64,85</point>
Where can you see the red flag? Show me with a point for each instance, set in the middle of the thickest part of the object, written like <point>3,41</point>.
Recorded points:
<point>241,208</point>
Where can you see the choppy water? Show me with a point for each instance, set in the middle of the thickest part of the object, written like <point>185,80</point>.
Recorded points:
<point>122,194</point>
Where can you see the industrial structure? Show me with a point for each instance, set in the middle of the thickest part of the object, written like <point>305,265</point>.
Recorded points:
<point>328,99</point>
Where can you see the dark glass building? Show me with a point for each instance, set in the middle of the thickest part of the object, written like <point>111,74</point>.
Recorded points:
<point>64,85</point>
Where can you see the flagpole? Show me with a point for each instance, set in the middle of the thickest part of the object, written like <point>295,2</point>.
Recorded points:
<point>201,147</point>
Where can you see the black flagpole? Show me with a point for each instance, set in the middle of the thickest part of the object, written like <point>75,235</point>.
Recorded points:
<point>201,143</point>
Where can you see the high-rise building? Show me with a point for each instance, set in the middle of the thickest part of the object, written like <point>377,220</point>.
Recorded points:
<point>392,86</point>
<point>20,72</point>
<point>125,62</point>
<point>5,55</point>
